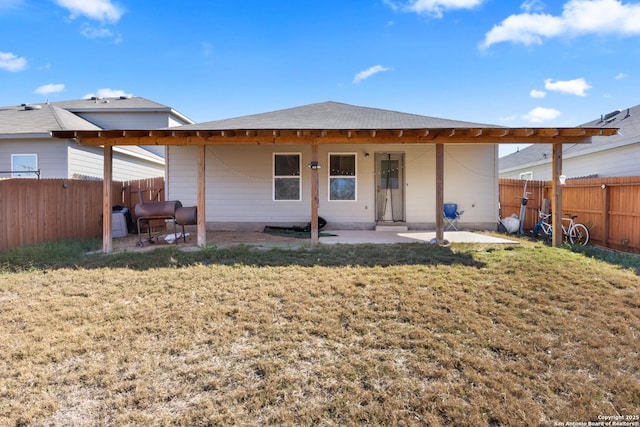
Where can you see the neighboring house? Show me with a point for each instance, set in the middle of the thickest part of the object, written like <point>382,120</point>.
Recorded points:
<point>617,155</point>
<point>379,178</point>
<point>27,148</point>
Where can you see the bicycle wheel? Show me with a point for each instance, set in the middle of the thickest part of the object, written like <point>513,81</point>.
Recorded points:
<point>539,232</point>
<point>579,234</point>
<point>546,234</point>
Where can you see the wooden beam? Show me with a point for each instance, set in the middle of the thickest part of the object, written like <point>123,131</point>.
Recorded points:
<point>107,184</point>
<point>523,132</point>
<point>572,132</point>
<point>550,132</point>
<point>315,239</point>
<point>440,194</point>
<point>556,196</point>
<point>202,217</point>
<point>498,133</point>
<point>333,136</point>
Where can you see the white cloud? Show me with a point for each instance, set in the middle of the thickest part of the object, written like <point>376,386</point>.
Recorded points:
<point>540,115</point>
<point>572,87</point>
<point>579,17</point>
<point>99,10</point>
<point>107,93</point>
<point>95,33</point>
<point>532,6</point>
<point>362,75</point>
<point>537,93</point>
<point>434,8</point>
<point>49,89</point>
<point>11,62</point>
<point>621,76</point>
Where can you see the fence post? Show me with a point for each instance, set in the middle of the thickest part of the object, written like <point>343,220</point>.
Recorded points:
<point>605,215</point>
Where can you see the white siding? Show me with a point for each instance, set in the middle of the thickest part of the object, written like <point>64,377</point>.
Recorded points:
<point>239,180</point>
<point>127,120</point>
<point>620,161</point>
<point>173,122</point>
<point>88,161</point>
<point>540,172</point>
<point>471,181</point>
<point>134,120</point>
<point>158,150</point>
<point>52,160</point>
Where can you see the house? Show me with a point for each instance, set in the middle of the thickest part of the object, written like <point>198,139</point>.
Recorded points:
<point>27,148</point>
<point>617,155</point>
<point>356,167</point>
<point>363,182</point>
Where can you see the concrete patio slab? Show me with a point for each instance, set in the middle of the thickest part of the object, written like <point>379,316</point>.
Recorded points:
<point>372,236</point>
<point>268,241</point>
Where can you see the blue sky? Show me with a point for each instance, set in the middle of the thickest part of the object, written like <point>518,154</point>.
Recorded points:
<point>510,63</point>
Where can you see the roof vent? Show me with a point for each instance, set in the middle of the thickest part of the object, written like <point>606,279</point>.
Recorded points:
<point>29,107</point>
<point>612,114</point>
<point>125,96</point>
<point>628,113</point>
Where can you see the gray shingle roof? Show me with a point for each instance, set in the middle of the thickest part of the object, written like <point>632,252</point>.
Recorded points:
<point>333,115</point>
<point>627,120</point>
<point>116,104</point>
<point>36,119</point>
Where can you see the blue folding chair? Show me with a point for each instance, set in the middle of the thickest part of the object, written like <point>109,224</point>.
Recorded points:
<point>451,216</point>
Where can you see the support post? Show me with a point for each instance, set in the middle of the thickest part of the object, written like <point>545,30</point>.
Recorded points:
<point>202,222</point>
<point>314,196</point>
<point>606,200</point>
<point>439,194</point>
<point>107,185</point>
<point>556,198</point>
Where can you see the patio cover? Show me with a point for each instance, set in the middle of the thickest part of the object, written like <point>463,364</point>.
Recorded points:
<point>333,123</point>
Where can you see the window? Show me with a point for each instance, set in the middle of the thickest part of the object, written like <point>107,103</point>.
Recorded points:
<point>24,165</point>
<point>342,176</point>
<point>526,176</point>
<point>287,182</point>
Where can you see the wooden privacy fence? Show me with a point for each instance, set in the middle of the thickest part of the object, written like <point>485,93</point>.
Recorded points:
<point>34,211</point>
<point>609,207</point>
<point>41,210</point>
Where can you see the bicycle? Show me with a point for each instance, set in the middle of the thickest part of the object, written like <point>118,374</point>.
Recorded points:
<point>575,232</point>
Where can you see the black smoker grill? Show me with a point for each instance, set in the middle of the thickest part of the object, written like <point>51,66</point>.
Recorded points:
<point>147,211</point>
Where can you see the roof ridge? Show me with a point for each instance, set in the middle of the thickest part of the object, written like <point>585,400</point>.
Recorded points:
<point>54,113</point>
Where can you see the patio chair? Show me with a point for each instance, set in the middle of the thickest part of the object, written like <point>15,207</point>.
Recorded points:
<point>451,216</point>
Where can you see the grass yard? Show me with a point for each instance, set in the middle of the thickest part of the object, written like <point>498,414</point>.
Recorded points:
<point>407,334</point>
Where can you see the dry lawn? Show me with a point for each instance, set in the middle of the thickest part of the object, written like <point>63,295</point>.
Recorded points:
<point>466,335</point>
